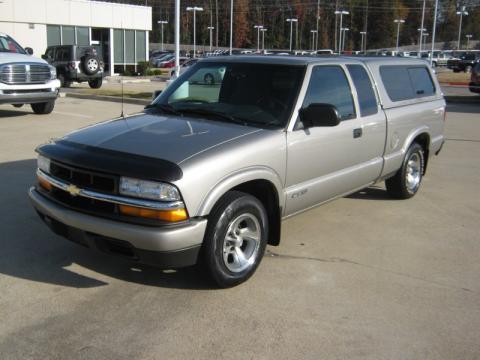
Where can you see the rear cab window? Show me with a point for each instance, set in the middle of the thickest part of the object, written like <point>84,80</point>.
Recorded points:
<point>407,82</point>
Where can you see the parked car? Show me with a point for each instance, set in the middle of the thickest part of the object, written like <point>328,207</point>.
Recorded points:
<point>166,57</point>
<point>209,172</point>
<point>25,79</point>
<point>171,63</point>
<point>465,62</point>
<point>75,63</point>
<point>184,67</point>
<point>475,79</point>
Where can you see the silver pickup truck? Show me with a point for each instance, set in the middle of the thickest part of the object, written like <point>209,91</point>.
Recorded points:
<point>209,170</point>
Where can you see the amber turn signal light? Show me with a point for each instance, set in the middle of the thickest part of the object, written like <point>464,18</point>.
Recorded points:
<point>44,183</point>
<point>165,215</point>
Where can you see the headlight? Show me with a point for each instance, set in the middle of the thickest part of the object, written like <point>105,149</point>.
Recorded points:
<point>53,72</point>
<point>43,164</point>
<point>148,189</point>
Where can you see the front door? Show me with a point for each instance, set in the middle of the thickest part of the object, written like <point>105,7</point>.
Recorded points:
<point>325,162</point>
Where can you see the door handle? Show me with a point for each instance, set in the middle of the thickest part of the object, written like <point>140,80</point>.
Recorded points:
<point>357,133</point>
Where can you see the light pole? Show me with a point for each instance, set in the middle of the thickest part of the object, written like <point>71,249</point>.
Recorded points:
<point>314,35</point>
<point>231,26</point>
<point>161,22</point>
<point>434,30</point>
<point>422,29</point>
<point>258,27</point>
<point>318,20</point>
<point>344,31</point>
<point>194,9</point>
<point>398,22</point>
<point>291,21</point>
<point>469,36</point>
<point>363,33</point>
<point>177,38</point>
<point>211,28</point>
<point>341,13</point>
<point>263,38</point>
<point>461,13</point>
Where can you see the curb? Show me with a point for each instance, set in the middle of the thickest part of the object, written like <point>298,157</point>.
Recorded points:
<point>463,99</point>
<point>126,100</point>
<point>455,83</point>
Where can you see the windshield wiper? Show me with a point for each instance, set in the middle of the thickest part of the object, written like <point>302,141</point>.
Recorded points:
<point>168,109</point>
<point>224,116</point>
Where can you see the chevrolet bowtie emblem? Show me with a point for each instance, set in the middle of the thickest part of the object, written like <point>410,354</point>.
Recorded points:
<point>73,190</point>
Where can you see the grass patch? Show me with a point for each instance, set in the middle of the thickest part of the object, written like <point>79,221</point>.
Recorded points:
<point>450,76</point>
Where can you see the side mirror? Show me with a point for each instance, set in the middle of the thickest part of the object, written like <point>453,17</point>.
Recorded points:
<point>44,57</point>
<point>318,115</point>
<point>156,93</point>
<point>29,50</point>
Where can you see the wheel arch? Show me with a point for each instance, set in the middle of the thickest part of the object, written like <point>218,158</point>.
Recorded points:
<point>261,182</point>
<point>422,137</point>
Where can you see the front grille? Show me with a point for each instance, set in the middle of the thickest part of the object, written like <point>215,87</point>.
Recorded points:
<point>84,179</point>
<point>17,74</point>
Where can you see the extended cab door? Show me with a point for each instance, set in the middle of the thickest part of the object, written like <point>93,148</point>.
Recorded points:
<point>325,162</point>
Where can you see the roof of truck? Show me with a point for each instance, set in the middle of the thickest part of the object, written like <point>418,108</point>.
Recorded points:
<point>306,60</point>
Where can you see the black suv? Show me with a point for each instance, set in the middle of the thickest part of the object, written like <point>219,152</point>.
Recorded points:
<point>465,63</point>
<point>76,63</point>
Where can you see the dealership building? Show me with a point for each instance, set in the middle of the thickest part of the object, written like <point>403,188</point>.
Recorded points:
<point>119,30</point>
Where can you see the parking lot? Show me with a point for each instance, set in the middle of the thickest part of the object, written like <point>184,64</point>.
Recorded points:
<point>363,277</point>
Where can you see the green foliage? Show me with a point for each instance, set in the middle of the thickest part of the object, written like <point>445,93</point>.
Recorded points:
<point>153,72</point>
<point>142,67</point>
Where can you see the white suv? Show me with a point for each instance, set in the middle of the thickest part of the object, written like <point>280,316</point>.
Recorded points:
<point>25,79</point>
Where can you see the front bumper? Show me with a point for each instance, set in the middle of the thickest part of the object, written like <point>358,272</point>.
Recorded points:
<point>73,75</point>
<point>28,97</point>
<point>474,87</point>
<point>29,93</point>
<point>168,247</point>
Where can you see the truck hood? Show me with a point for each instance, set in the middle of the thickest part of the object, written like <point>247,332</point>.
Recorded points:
<point>7,57</point>
<point>171,138</point>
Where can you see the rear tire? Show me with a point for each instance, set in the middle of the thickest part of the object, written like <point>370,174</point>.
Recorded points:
<point>43,108</point>
<point>235,239</point>
<point>95,84</point>
<point>63,83</point>
<point>407,180</point>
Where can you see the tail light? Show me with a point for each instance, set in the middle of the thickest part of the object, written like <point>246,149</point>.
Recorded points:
<point>72,65</point>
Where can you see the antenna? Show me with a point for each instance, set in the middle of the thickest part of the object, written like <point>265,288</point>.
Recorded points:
<point>121,77</point>
<point>121,82</point>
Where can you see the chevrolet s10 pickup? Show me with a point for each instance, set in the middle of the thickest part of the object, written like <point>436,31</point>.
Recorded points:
<point>209,170</point>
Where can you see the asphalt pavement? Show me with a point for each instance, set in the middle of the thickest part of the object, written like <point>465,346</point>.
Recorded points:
<point>363,277</point>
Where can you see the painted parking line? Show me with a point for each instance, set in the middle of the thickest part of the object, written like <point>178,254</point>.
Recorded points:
<point>73,114</point>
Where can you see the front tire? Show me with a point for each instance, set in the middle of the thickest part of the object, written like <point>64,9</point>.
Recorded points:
<point>43,108</point>
<point>235,239</point>
<point>407,180</point>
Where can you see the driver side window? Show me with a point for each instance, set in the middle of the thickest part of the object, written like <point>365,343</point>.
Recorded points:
<point>329,85</point>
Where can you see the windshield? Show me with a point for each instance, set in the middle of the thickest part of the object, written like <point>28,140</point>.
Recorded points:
<point>7,44</point>
<point>260,95</point>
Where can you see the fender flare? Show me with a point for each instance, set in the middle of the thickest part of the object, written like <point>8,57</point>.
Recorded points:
<point>418,131</point>
<point>237,178</point>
